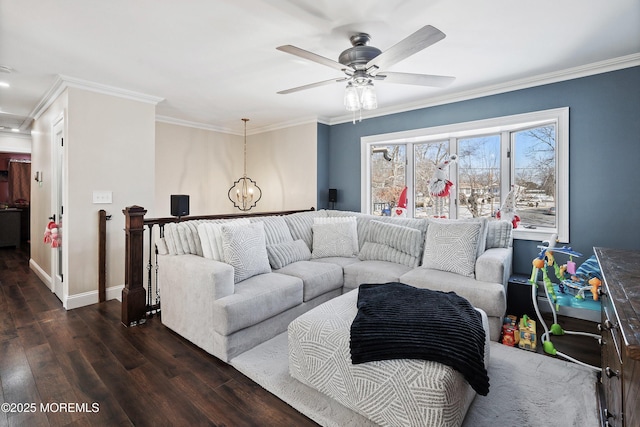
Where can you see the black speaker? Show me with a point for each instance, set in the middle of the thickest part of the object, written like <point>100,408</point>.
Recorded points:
<point>179,204</point>
<point>333,195</point>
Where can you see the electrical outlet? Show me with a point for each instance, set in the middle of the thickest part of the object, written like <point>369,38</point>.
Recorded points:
<point>100,197</point>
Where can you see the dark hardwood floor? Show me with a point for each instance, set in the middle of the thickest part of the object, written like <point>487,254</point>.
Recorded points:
<point>112,375</point>
<point>145,375</point>
<point>582,348</point>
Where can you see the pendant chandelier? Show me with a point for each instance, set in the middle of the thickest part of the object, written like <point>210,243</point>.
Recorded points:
<point>245,193</point>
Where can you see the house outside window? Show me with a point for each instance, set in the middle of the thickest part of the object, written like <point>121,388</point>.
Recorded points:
<point>526,154</point>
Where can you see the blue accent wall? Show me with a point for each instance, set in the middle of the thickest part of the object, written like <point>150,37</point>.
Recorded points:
<point>323,166</point>
<point>604,153</point>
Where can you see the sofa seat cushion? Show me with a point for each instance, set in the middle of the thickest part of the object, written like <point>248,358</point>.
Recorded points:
<point>489,297</point>
<point>317,278</point>
<point>254,300</point>
<point>372,272</point>
<point>338,260</point>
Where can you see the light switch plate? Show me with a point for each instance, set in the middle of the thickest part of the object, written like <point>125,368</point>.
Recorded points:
<point>101,197</point>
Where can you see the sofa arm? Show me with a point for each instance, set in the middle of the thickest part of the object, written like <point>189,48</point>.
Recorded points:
<point>188,285</point>
<point>208,278</point>
<point>494,265</point>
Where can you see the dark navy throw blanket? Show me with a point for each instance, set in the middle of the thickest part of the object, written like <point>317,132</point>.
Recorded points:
<point>398,321</point>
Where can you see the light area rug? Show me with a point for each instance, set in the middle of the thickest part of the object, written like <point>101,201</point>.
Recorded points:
<point>527,390</point>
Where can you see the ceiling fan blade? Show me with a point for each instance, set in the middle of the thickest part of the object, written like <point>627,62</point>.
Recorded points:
<point>421,39</point>
<point>416,79</point>
<point>311,56</point>
<point>312,85</point>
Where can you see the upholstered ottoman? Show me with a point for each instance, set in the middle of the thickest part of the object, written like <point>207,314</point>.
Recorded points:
<point>400,392</point>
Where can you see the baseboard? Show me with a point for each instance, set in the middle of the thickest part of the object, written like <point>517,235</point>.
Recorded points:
<point>92,297</point>
<point>42,275</point>
<point>77,300</point>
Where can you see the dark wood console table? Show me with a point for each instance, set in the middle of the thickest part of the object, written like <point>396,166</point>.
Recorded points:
<point>620,329</point>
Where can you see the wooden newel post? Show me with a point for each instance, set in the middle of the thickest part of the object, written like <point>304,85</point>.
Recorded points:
<point>133,294</point>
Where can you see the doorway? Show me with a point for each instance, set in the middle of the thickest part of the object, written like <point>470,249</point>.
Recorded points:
<point>57,198</point>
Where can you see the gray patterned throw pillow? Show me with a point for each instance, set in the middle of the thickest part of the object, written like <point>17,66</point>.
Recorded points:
<point>245,249</point>
<point>339,239</point>
<point>452,247</point>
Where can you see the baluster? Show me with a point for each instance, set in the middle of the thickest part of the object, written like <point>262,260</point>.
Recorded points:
<point>149,273</point>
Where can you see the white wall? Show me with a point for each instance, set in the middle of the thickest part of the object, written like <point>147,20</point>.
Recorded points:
<point>284,163</point>
<point>197,162</point>
<point>204,164</point>
<point>14,143</point>
<point>109,145</point>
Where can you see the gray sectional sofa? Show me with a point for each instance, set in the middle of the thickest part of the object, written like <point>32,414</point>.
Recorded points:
<point>229,285</point>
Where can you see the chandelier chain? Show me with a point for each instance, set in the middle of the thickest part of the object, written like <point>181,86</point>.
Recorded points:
<point>245,146</point>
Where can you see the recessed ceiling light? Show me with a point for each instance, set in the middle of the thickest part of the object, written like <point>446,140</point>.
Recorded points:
<point>15,130</point>
<point>4,84</point>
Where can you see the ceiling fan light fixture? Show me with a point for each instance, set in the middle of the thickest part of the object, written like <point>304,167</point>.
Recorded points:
<point>362,63</point>
<point>369,100</point>
<point>351,98</point>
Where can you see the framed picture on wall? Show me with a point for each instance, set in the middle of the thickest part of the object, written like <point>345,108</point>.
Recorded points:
<point>4,175</point>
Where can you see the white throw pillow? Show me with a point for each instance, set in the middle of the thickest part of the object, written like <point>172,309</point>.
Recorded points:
<point>210,234</point>
<point>452,246</point>
<point>335,239</point>
<point>245,249</point>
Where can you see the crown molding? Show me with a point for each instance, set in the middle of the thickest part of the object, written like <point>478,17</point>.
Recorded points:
<point>283,125</point>
<point>63,82</point>
<point>252,131</point>
<point>614,64</point>
<point>17,135</point>
<point>196,125</point>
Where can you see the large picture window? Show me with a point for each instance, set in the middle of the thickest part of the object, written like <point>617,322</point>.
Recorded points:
<point>523,156</point>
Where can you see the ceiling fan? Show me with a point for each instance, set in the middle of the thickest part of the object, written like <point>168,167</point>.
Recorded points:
<point>362,64</point>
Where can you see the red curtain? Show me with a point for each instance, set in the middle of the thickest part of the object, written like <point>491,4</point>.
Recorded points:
<point>19,181</point>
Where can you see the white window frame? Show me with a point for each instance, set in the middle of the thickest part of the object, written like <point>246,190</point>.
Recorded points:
<point>498,125</point>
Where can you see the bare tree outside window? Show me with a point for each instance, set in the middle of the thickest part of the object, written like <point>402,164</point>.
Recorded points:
<point>478,176</point>
<point>534,152</point>
<point>426,157</point>
<point>388,177</point>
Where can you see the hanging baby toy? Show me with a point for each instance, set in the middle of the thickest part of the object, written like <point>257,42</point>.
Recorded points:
<point>51,235</point>
<point>440,186</point>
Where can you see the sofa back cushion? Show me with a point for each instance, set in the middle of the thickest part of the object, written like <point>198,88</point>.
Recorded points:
<point>275,229</point>
<point>245,249</point>
<point>182,238</point>
<point>300,225</point>
<point>364,220</point>
<point>453,246</point>
<point>393,243</point>
<point>499,234</point>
